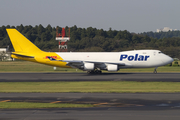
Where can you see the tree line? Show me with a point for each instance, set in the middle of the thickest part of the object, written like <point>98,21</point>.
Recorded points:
<point>161,35</point>
<point>93,40</point>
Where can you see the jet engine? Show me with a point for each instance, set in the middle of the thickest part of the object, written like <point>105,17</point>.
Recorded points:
<point>88,66</point>
<point>112,67</point>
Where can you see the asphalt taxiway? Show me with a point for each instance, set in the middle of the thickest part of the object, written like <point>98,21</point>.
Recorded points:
<point>42,77</point>
<point>115,106</point>
<point>89,114</point>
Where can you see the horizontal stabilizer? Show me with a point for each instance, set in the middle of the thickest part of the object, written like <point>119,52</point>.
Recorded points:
<point>21,55</point>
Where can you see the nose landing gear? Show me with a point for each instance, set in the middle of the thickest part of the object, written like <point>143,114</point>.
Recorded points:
<point>155,71</point>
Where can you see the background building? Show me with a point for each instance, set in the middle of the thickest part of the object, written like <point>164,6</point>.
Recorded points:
<point>165,29</point>
<point>4,54</point>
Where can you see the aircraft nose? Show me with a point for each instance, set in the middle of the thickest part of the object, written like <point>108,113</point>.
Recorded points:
<point>167,60</point>
<point>171,60</point>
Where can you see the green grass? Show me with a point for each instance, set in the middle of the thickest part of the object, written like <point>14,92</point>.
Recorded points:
<point>8,105</point>
<point>91,87</point>
<point>25,66</point>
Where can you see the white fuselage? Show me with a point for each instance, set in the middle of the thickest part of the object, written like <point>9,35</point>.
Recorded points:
<point>131,59</point>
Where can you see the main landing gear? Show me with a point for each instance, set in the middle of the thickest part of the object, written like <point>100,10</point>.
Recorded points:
<point>94,72</point>
<point>155,71</point>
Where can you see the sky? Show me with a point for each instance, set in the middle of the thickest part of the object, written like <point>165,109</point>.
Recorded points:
<point>132,15</point>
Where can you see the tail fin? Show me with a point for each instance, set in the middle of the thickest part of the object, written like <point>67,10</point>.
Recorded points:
<point>20,42</point>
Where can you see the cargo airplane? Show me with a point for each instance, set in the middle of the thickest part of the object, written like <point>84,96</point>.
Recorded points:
<point>92,62</point>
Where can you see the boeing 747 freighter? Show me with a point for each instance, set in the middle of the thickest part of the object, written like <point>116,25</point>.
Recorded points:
<point>92,62</point>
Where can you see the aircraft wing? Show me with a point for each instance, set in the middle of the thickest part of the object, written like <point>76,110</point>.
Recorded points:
<point>79,64</point>
<point>114,63</point>
<point>72,61</point>
<point>68,61</point>
<point>95,62</point>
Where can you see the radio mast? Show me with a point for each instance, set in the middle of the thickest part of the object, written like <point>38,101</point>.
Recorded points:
<point>63,39</point>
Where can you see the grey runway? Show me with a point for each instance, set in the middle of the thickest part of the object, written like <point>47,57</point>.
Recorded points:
<point>42,77</point>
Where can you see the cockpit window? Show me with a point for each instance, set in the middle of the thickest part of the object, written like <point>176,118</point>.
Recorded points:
<point>160,52</point>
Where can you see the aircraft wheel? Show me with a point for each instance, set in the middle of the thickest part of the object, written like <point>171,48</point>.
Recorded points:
<point>94,72</point>
<point>99,72</point>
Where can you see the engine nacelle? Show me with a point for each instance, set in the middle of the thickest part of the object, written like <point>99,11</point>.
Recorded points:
<point>112,67</point>
<point>88,66</point>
